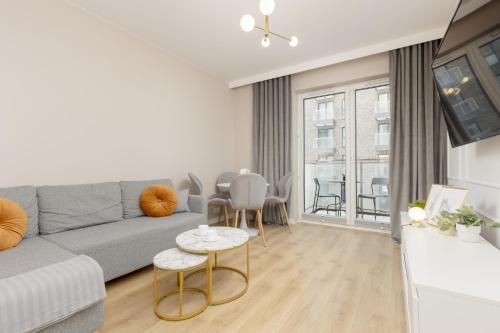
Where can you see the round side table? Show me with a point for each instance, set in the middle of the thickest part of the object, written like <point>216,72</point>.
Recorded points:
<point>228,239</point>
<point>177,261</point>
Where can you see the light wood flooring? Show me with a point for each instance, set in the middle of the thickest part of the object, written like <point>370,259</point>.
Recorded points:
<point>316,279</point>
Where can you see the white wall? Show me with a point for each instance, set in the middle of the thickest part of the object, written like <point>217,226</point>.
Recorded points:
<point>84,101</point>
<point>339,74</point>
<point>476,166</point>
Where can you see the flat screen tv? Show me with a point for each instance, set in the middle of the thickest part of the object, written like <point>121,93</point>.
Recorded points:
<point>466,70</point>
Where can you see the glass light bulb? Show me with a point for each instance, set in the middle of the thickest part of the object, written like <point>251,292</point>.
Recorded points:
<point>417,214</point>
<point>247,23</point>
<point>265,42</point>
<point>294,41</point>
<point>266,7</point>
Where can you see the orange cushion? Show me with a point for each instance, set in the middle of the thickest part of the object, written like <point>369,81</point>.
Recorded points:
<point>158,201</point>
<point>13,220</point>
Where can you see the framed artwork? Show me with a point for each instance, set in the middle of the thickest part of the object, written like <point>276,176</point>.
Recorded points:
<point>443,198</point>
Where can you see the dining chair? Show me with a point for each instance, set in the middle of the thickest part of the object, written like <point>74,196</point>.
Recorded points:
<point>196,184</point>
<point>221,199</point>
<point>323,192</point>
<point>248,192</point>
<point>284,187</point>
<point>381,183</point>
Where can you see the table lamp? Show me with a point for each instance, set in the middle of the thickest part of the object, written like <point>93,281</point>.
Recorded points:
<point>417,216</point>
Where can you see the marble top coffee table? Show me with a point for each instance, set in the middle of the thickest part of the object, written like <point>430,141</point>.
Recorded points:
<point>180,262</point>
<point>228,239</point>
<point>175,259</point>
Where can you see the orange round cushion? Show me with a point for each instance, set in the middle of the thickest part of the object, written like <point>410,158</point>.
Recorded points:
<point>158,201</point>
<point>13,220</point>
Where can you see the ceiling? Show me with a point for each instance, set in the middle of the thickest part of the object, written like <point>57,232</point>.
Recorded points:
<point>207,33</point>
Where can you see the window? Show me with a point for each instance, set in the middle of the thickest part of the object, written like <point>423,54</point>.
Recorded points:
<point>343,136</point>
<point>384,128</point>
<point>325,132</point>
<point>325,110</point>
<point>345,164</point>
<point>383,97</point>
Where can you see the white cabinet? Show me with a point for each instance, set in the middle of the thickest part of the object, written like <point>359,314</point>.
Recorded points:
<point>449,285</point>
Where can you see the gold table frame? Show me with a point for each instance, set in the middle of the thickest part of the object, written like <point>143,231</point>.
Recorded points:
<point>212,256</point>
<point>180,290</point>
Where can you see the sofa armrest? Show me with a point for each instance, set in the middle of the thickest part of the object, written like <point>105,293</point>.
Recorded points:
<point>198,204</point>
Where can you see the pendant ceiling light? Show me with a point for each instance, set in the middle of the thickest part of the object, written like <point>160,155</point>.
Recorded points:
<point>266,7</point>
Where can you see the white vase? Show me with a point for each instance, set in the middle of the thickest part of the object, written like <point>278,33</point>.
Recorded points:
<point>468,233</point>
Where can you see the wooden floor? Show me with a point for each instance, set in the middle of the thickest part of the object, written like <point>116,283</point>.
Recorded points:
<point>316,279</point>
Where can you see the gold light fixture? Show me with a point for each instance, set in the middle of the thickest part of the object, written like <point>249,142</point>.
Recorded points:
<point>266,7</point>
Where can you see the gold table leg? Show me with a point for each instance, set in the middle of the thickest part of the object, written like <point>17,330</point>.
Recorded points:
<point>212,256</point>
<point>180,291</point>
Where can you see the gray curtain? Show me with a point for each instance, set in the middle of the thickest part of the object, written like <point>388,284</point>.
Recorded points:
<point>272,122</point>
<point>418,133</point>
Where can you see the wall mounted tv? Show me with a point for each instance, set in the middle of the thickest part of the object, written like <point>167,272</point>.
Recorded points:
<point>467,72</point>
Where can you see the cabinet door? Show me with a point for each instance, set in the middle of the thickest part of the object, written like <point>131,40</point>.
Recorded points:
<point>410,297</point>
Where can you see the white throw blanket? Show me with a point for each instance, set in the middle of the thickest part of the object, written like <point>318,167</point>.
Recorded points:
<point>49,294</point>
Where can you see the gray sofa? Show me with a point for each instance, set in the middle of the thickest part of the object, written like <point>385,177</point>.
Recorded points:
<point>103,221</point>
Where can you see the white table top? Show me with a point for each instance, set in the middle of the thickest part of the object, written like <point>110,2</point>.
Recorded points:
<point>227,186</point>
<point>229,238</point>
<point>176,259</point>
<point>449,264</point>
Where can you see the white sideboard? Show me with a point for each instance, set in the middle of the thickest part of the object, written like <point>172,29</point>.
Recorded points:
<point>449,285</point>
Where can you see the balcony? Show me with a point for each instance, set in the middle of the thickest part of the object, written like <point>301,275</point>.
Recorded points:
<point>323,118</point>
<point>382,141</point>
<point>366,170</point>
<point>323,143</point>
<point>382,111</point>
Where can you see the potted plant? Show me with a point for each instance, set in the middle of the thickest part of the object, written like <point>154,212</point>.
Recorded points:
<point>468,224</point>
<point>417,203</point>
<point>446,222</point>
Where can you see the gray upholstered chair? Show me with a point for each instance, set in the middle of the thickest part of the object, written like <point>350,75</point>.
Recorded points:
<point>248,192</point>
<point>284,188</point>
<point>221,199</point>
<point>196,184</point>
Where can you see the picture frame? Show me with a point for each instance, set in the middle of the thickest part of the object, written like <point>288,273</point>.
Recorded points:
<point>443,198</point>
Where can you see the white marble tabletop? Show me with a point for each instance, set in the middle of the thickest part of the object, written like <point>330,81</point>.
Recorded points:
<point>176,259</point>
<point>226,186</point>
<point>228,238</point>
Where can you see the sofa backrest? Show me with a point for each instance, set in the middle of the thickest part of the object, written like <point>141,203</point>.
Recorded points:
<point>25,196</point>
<point>68,207</point>
<point>131,194</point>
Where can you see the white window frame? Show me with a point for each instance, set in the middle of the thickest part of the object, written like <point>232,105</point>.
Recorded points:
<point>350,152</point>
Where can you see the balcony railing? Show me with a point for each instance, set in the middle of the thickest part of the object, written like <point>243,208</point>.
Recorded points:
<point>323,143</point>
<point>366,170</point>
<point>382,141</point>
<point>382,111</point>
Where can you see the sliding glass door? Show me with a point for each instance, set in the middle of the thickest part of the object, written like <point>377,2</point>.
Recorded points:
<point>324,154</point>
<point>345,148</point>
<point>373,130</point>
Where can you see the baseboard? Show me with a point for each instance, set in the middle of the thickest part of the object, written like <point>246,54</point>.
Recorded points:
<point>352,227</point>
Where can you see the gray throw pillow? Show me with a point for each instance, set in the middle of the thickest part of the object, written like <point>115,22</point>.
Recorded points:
<point>182,201</point>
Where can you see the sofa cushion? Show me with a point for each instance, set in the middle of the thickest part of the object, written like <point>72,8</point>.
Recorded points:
<point>158,201</point>
<point>70,207</point>
<point>131,195</point>
<point>130,244</point>
<point>25,196</point>
<point>182,201</point>
<point>30,254</point>
<point>13,220</point>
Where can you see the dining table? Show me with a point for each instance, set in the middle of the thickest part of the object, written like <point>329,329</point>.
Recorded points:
<point>225,187</point>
